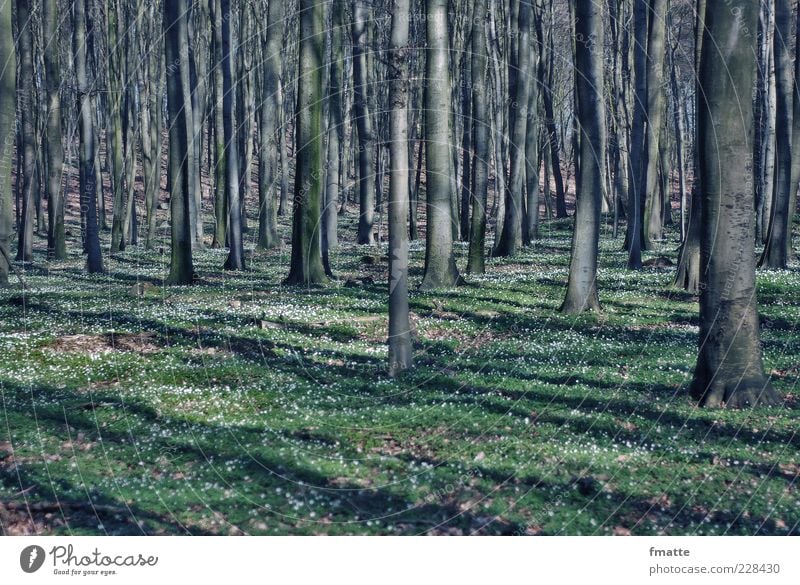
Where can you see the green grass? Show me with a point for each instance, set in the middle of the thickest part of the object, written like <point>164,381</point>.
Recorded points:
<point>244,406</point>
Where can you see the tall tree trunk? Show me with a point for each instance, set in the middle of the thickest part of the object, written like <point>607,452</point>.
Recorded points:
<point>775,249</point>
<point>272,37</point>
<point>56,245</point>
<point>636,188</point>
<point>330,208</point>
<point>795,143</point>
<point>176,41</point>
<point>8,98</point>
<point>511,237</point>
<point>27,109</point>
<point>656,51</point>
<point>440,263</point>
<point>400,350</point>
<point>220,144</point>
<point>88,185</point>
<point>306,263</point>
<point>549,113</point>
<point>688,273</point>
<point>729,369</point>
<point>480,125</point>
<point>590,85</point>
<point>235,260</point>
<point>366,141</point>
<point>115,140</point>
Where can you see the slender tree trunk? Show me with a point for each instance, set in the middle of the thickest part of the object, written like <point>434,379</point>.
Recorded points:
<point>272,37</point>
<point>511,237</point>
<point>480,126</point>
<point>335,128</point>
<point>56,244</point>
<point>656,51</point>
<point>235,260</point>
<point>88,186</point>
<point>590,85</point>
<point>688,273</point>
<point>27,111</point>
<point>440,263</point>
<point>8,98</point>
<point>776,246</point>
<point>795,180</point>
<point>729,369</point>
<point>400,349</point>
<point>176,40</point>
<point>114,133</point>
<point>636,188</point>
<point>530,231</point>
<point>220,144</point>
<point>306,263</point>
<point>366,141</point>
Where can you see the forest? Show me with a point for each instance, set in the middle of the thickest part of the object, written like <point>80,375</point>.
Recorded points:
<point>446,267</point>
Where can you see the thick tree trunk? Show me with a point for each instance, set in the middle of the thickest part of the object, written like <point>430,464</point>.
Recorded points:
<point>400,349</point>
<point>480,129</point>
<point>306,263</point>
<point>8,94</point>
<point>440,263</point>
<point>88,177</point>
<point>729,369</point>
<point>582,285</point>
<point>176,40</point>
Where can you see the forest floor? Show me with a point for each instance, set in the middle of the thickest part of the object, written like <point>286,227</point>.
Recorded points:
<point>241,405</point>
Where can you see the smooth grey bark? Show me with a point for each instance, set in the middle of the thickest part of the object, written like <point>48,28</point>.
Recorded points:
<point>330,207</point>
<point>8,99</point>
<point>400,348</point>
<point>176,38</point>
<point>366,139</point>
<point>795,180</point>
<point>511,237</point>
<point>220,144</point>
<point>480,141</point>
<point>688,273</point>
<point>530,229</point>
<point>633,234</point>
<point>775,248</point>
<point>235,260</point>
<point>272,36</point>
<point>590,85</point>
<point>88,177</point>
<point>56,244</point>
<point>440,263</point>
<point>656,50</point>
<point>27,112</point>
<point>306,262</point>
<point>729,369</point>
<point>115,138</point>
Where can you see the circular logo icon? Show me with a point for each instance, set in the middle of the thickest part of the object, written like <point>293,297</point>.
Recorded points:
<point>31,558</point>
